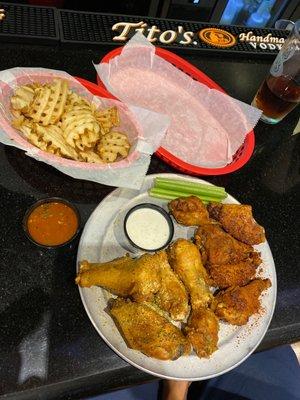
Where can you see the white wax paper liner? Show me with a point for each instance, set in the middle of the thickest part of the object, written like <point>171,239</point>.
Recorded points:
<point>207,126</point>
<point>145,130</point>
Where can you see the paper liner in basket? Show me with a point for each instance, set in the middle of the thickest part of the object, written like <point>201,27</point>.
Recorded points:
<point>145,130</point>
<point>207,126</point>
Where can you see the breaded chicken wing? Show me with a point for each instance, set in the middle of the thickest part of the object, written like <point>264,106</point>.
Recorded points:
<point>145,330</point>
<point>236,304</point>
<point>148,278</point>
<point>218,247</point>
<point>202,331</point>
<point>185,259</point>
<point>237,219</point>
<point>237,274</point>
<point>189,211</point>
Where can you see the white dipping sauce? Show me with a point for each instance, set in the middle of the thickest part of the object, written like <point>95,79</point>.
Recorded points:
<point>147,228</point>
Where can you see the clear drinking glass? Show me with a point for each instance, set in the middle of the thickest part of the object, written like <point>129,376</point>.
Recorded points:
<point>280,91</point>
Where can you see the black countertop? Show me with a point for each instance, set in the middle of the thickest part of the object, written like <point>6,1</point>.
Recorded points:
<point>48,347</point>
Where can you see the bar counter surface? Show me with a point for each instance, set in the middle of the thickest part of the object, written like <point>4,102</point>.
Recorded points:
<point>48,347</point>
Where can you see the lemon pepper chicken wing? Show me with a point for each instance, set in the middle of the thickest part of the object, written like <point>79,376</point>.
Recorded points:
<point>110,275</point>
<point>145,330</point>
<point>189,211</point>
<point>202,331</point>
<point>185,259</point>
<point>236,304</point>
<point>148,278</point>
<point>237,219</point>
<point>237,274</point>
<point>202,326</point>
<point>124,276</point>
<point>172,296</point>
<point>218,247</point>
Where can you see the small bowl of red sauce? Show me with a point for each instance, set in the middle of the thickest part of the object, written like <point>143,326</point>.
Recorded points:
<point>51,222</point>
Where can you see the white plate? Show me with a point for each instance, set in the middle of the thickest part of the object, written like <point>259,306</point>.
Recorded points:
<point>98,244</point>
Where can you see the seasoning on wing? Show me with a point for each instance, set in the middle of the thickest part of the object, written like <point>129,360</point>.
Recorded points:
<point>236,274</point>
<point>236,304</point>
<point>202,331</point>
<point>148,278</point>
<point>237,219</point>
<point>106,274</point>
<point>218,247</point>
<point>172,295</point>
<point>185,259</point>
<point>145,330</point>
<point>189,211</point>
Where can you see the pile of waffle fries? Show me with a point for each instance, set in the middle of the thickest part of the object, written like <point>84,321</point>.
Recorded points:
<point>59,121</point>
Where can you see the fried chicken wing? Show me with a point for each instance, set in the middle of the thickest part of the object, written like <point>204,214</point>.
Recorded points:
<point>185,259</point>
<point>189,211</point>
<point>125,276</point>
<point>110,275</point>
<point>202,331</point>
<point>218,247</point>
<point>145,330</point>
<point>172,295</point>
<point>237,219</point>
<point>238,274</point>
<point>236,304</point>
<point>148,278</point>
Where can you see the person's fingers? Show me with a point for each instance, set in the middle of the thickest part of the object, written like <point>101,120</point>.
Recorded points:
<point>175,390</point>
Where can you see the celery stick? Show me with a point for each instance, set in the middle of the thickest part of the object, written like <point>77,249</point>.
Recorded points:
<point>176,194</point>
<point>187,184</point>
<point>189,189</point>
<point>182,182</point>
<point>162,196</point>
<point>171,197</point>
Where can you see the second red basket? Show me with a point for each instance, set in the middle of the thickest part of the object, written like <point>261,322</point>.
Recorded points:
<point>243,154</point>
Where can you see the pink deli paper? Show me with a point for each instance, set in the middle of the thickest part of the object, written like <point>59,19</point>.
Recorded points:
<point>145,130</point>
<point>207,126</point>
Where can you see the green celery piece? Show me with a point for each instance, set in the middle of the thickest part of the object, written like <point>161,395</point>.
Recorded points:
<point>176,194</point>
<point>205,191</point>
<point>176,183</point>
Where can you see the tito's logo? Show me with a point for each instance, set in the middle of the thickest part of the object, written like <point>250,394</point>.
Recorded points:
<point>217,37</point>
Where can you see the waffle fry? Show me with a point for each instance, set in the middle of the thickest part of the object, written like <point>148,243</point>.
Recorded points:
<point>90,156</point>
<point>27,129</point>
<point>80,123</point>
<point>19,119</point>
<point>49,102</point>
<point>114,116</point>
<point>53,136</point>
<point>112,145</point>
<point>22,98</point>
<point>37,140</point>
<point>57,120</point>
<point>86,141</point>
<point>108,119</point>
<point>73,99</point>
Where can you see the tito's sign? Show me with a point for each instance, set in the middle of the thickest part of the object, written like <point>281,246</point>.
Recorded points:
<point>212,36</point>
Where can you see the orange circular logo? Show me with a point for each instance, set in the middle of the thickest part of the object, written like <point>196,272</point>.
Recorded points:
<point>217,37</point>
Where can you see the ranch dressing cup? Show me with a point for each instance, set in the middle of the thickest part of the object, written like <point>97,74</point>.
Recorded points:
<point>145,227</point>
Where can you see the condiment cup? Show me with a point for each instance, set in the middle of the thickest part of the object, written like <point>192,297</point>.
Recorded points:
<point>131,243</point>
<point>50,200</point>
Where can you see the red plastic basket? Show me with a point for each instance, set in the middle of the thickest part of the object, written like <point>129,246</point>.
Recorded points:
<point>243,154</point>
<point>95,89</point>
